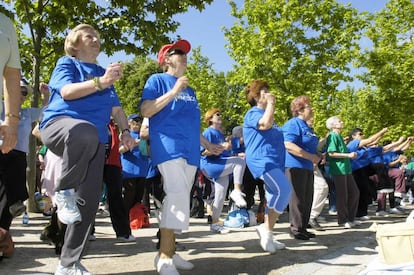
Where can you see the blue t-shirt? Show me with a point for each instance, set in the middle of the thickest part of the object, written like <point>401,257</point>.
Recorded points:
<point>265,149</point>
<point>297,131</point>
<point>214,165</point>
<point>362,159</point>
<point>134,165</point>
<point>391,156</point>
<point>375,154</point>
<point>175,130</point>
<point>95,108</point>
<point>236,146</point>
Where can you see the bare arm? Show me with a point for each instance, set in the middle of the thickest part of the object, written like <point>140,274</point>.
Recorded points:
<point>151,107</point>
<point>267,120</point>
<point>81,89</point>
<point>299,152</point>
<point>11,84</point>
<point>121,119</point>
<point>373,139</point>
<point>336,155</point>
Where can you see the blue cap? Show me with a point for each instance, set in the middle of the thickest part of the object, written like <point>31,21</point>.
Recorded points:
<point>133,116</point>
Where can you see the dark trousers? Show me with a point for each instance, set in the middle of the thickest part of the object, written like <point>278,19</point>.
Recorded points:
<point>77,142</point>
<point>118,213</point>
<point>300,204</point>
<point>347,197</point>
<point>136,190</point>
<point>13,181</point>
<point>249,188</point>
<point>361,177</point>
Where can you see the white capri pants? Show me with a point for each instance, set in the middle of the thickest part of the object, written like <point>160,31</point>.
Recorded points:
<point>178,179</point>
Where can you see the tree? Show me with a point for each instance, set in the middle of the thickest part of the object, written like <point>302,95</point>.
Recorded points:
<point>299,47</point>
<point>389,67</point>
<point>213,91</point>
<point>130,88</point>
<point>136,27</point>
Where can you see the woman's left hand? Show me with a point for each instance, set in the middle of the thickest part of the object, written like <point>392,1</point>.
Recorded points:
<point>127,141</point>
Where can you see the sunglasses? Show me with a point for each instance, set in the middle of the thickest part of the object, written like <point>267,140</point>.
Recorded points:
<point>176,51</point>
<point>24,92</point>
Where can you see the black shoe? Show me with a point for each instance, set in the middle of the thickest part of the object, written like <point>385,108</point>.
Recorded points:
<point>299,236</point>
<point>313,223</point>
<point>209,219</point>
<point>309,234</point>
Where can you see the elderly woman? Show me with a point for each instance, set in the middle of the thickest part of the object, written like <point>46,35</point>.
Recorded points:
<point>174,115</point>
<point>74,127</point>
<point>265,157</point>
<point>219,167</point>
<point>338,157</point>
<point>301,155</point>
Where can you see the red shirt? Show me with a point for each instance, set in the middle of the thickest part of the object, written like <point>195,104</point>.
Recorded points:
<point>114,156</point>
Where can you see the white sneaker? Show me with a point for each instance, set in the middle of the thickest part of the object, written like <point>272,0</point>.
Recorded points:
<point>397,211</point>
<point>178,262</point>
<point>278,245</point>
<point>355,223</point>
<point>218,228</point>
<point>166,267</point>
<point>75,269</point>
<point>266,239</point>
<point>348,225</point>
<point>363,218</point>
<point>129,238</point>
<point>382,214</point>
<point>67,206</point>
<point>238,198</point>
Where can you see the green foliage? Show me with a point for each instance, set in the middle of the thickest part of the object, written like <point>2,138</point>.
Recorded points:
<point>389,69</point>
<point>137,27</point>
<point>213,91</point>
<point>130,87</point>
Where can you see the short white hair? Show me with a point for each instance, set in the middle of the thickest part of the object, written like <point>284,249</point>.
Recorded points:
<point>330,122</point>
<point>237,131</point>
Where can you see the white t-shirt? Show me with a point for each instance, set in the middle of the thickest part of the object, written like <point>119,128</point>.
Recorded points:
<point>9,48</point>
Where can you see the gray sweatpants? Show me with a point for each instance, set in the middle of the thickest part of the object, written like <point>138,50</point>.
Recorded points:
<point>77,142</point>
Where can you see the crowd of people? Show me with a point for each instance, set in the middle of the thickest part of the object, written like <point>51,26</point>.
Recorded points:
<point>158,154</point>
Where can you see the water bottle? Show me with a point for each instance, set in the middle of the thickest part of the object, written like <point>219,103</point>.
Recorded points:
<point>25,219</point>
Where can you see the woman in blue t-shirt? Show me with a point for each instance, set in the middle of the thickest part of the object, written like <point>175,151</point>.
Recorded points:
<point>265,157</point>
<point>219,167</point>
<point>74,127</point>
<point>301,155</point>
<point>174,118</point>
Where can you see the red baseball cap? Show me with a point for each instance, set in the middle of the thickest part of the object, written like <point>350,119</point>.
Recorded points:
<point>181,44</point>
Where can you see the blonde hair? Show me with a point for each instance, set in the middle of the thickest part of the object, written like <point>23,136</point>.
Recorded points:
<point>72,38</point>
<point>209,114</point>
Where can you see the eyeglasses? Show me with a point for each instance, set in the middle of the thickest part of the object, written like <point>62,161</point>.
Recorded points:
<point>24,92</point>
<point>176,51</point>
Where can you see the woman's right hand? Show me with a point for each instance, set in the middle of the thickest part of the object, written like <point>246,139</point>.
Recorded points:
<point>180,84</point>
<point>112,73</point>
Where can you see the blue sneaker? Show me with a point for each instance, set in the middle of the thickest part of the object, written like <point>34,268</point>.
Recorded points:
<point>67,206</point>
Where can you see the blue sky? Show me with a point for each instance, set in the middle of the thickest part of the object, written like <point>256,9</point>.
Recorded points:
<point>205,30</point>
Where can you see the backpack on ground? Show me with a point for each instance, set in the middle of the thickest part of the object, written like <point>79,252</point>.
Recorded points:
<point>139,216</point>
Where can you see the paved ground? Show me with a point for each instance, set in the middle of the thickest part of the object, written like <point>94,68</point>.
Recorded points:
<point>334,251</point>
